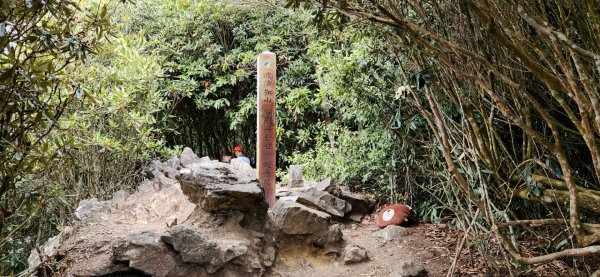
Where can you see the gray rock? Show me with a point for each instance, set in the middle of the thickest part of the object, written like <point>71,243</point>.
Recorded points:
<point>192,244</point>
<point>268,256</point>
<point>119,197</point>
<point>173,163</point>
<point>295,219</point>
<point>146,253</point>
<point>50,249</point>
<point>328,186</point>
<point>360,204</point>
<point>292,198</point>
<point>188,157</point>
<point>158,231</point>
<point>243,169</point>
<point>243,197</point>
<point>154,169</point>
<point>205,159</point>
<point>392,232</point>
<point>215,186</point>
<point>88,208</point>
<point>171,172</point>
<point>354,254</point>
<point>295,176</point>
<point>215,171</point>
<point>282,192</point>
<point>408,268</point>
<point>334,233</point>
<point>322,200</point>
<point>228,250</point>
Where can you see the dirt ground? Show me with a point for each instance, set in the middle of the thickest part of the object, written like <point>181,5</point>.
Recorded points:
<point>431,245</point>
<point>425,244</point>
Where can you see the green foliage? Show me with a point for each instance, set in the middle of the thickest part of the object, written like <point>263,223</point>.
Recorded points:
<point>41,43</point>
<point>209,54</point>
<point>366,135</point>
<point>115,133</point>
<point>337,112</point>
<point>82,125</point>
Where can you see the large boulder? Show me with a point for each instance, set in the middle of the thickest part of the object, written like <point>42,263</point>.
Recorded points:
<point>322,200</point>
<point>216,186</point>
<point>298,224</point>
<point>194,246</point>
<point>156,169</point>
<point>88,208</point>
<point>294,219</point>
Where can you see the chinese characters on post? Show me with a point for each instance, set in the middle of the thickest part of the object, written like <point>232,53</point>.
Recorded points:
<point>266,76</point>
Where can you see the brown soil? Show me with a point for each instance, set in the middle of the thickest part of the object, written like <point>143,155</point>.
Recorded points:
<point>426,244</point>
<point>432,245</point>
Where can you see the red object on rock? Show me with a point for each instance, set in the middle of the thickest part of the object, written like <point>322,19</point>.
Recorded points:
<point>396,214</point>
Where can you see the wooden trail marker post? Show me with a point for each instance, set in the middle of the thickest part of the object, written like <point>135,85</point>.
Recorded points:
<point>266,151</point>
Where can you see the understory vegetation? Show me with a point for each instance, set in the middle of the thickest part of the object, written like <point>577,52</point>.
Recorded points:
<point>480,114</point>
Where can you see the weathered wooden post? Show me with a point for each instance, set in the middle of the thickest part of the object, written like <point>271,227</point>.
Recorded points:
<point>266,76</point>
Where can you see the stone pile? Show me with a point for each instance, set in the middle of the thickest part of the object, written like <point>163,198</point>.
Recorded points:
<point>327,197</point>
<point>310,211</point>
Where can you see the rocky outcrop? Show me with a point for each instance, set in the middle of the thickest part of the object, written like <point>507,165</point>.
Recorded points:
<point>196,217</point>
<point>192,217</point>
<point>215,186</point>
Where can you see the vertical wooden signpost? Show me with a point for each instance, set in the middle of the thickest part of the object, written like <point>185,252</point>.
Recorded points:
<point>265,162</point>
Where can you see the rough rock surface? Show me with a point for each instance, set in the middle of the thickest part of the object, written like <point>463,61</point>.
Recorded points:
<point>322,200</point>
<point>409,268</point>
<point>188,157</point>
<point>216,225</point>
<point>328,197</point>
<point>197,217</point>
<point>392,232</point>
<point>360,204</point>
<point>328,186</point>
<point>216,186</point>
<point>295,219</point>
<point>354,254</point>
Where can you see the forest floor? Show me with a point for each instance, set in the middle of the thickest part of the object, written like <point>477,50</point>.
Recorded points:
<point>426,244</point>
<point>431,245</point>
